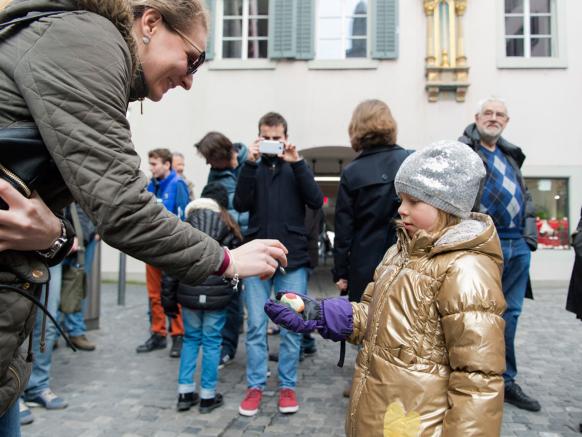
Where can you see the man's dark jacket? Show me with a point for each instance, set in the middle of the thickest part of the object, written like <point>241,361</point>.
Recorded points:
<point>515,157</point>
<point>366,207</point>
<point>275,193</point>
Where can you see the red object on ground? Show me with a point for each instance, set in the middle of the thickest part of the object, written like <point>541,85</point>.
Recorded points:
<point>251,403</point>
<point>158,317</point>
<point>288,401</point>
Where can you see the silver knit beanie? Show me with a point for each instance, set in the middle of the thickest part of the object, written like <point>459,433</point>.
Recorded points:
<point>446,175</point>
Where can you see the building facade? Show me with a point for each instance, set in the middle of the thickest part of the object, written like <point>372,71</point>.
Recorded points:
<point>431,61</point>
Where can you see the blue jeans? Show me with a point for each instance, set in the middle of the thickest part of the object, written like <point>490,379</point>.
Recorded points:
<point>255,294</point>
<point>41,367</point>
<point>201,328</point>
<point>10,422</point>
<point>516,260</point>
<point>230,332</point>
<point>74,323</point>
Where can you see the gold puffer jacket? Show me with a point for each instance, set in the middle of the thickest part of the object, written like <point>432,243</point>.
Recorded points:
<point>432,336</point>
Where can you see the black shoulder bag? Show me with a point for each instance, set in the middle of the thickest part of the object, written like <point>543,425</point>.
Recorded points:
<point>25,161</point>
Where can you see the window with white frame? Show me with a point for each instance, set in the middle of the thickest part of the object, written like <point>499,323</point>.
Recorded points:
<point>342,29</point>
<point>530,28</point>
<point>243,29</point>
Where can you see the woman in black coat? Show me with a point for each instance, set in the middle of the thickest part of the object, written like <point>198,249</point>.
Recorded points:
<point>574,302</point>
<point>366,203</point>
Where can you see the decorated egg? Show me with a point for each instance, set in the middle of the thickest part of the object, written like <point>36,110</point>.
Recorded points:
<point>293,301</point>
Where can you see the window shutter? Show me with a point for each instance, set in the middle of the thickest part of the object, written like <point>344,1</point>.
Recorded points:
<point>305,27</point>
<point>211,5</point>
<point>281,29</point>
<point>385,29</point>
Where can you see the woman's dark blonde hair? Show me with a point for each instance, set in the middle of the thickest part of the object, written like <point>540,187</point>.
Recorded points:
<point>4,3</point>
<point>178,14</point>
<point>372,125</point>
<point>231,224</point>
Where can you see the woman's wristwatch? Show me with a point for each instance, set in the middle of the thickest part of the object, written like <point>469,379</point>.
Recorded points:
<point>56,245</point>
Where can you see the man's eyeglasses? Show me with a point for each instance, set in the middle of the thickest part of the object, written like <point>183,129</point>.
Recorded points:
<point>493,114</point>
<point>194,62</point>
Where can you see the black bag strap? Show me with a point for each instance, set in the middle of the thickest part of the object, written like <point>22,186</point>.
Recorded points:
<point>29,18</point>
<point>40,305</point>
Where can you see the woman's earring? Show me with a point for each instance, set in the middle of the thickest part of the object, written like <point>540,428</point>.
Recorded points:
<point>146,40</point>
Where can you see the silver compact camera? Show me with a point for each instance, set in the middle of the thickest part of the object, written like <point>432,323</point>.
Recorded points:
<point>268,147</point>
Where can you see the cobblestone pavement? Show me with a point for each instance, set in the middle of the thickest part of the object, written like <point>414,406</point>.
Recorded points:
<point>115,392</point>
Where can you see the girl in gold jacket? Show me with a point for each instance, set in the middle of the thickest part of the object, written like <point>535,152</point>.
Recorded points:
<point>430,324</point>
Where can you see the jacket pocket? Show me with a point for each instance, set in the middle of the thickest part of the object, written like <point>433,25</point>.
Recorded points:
<point>13,382</point>
<point>295,239</point>
<point>297,230</point>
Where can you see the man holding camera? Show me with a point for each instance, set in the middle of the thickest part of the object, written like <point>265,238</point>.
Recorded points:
<point>275,185</point>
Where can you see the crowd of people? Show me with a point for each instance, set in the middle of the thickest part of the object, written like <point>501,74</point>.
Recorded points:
<point>432,247</point>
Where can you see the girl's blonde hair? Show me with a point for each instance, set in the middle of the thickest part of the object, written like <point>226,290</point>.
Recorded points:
<point>178,14</point>
<point>445,220</point>
<point>372,125</point>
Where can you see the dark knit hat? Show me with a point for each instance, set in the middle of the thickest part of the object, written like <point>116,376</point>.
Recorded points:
<point>216,191</point>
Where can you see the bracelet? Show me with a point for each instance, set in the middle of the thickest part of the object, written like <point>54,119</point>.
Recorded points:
<point>225,263</point>
<point>235,278</point>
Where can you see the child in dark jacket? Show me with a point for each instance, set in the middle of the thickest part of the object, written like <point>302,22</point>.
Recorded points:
<point>203,309</point>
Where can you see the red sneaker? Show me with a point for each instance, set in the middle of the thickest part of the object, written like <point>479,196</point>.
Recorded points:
<point>250,404</point>
<point>288,401</point>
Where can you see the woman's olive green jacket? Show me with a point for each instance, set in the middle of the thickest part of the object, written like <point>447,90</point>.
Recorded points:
<point>431,332</point>
<point>72,76</point>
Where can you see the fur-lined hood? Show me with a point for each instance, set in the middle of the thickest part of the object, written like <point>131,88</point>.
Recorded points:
<point>202,203</point>
<point>477,234</point>
<point>117,11</point>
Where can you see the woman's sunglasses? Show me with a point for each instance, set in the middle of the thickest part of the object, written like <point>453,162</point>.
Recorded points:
<point>194,62</point>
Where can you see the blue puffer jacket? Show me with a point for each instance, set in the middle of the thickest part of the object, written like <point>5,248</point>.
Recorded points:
<point>228,178</point>
<point>172,191</point>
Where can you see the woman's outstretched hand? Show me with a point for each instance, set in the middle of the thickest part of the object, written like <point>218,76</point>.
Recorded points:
<point>28,224</point>
<point>257,258</point>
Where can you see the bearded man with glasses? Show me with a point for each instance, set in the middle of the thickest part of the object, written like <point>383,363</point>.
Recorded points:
<point>504,196</point>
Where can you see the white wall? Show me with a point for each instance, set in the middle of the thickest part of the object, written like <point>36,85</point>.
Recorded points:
<point>544,106</point>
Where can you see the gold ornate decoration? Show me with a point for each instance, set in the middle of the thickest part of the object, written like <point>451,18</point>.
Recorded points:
<point>446,63</point>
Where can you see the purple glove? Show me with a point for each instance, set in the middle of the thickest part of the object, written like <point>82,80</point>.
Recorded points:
<point>338,319</point>
<point>332,317</point>
<point>307,321</point>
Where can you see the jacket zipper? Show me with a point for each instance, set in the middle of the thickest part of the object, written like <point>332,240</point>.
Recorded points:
<point>375,323</point>
<point>16,179</point>
<point>17,377</point>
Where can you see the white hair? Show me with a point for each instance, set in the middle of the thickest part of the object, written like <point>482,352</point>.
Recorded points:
<point>486,100</point>
<point>178,154</point>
